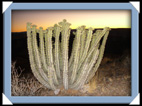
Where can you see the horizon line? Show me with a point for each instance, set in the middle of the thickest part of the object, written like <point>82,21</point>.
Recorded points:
<point>75,29</point>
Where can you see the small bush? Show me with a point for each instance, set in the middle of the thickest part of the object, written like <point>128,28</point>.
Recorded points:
<point>23,86</point>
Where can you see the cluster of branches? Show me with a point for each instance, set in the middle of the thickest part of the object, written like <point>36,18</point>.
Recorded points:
<point>50,62</point>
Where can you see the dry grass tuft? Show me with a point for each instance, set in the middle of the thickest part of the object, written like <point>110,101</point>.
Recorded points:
<point>21,86</point>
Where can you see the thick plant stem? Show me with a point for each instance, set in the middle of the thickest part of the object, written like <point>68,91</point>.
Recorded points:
<point>86,47</point>
<point>102,48</point>
<point>52,75</point>
<point>60,58</point>
<point>46,47</point>
<point>32,58</point>
<point>84,65</point>
<point>56,54</point>
<point>95,35</point>
<point>76,55</point>
<point>88,69</point>
<point>37,54</point>
<point>65,38</point>
<point>85,69</point>
<point>82,44</point>
<point>42,51</point>
<point>83,40</point>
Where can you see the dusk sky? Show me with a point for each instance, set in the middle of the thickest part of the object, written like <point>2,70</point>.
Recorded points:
<point>90,18</point>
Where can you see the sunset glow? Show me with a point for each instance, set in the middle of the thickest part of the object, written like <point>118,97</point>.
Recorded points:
<point>90,18</point>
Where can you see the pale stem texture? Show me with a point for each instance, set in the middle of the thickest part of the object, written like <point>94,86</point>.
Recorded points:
<point>50,62</point>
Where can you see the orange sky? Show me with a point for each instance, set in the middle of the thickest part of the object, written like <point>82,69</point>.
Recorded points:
<point>90,18</point>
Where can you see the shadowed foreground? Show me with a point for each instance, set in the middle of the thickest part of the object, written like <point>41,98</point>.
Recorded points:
<point>113,78</point>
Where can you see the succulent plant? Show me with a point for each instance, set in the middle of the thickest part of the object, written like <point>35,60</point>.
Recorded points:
<point>50,62</point>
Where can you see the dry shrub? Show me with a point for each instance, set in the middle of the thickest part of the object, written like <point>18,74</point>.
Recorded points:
<point>23,86</point>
